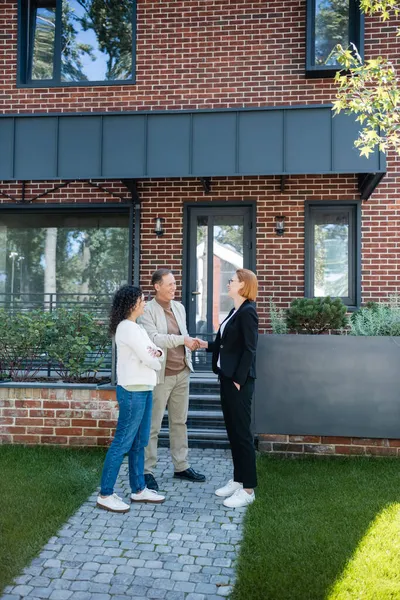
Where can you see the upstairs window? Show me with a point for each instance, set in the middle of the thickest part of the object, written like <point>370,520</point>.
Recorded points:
<point>331,22</point>
<point>76,42</point>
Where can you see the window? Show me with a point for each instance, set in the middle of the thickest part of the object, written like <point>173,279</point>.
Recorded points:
<point>331,22</point>
<point>62,252</point>
<point>76,42</point>
<point>332,252</point>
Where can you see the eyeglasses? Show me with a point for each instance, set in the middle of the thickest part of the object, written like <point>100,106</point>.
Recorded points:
<point>232,281</point>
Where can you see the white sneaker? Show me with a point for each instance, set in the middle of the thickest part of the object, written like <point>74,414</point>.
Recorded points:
<point>239,498</point>
<point>112,503</point>
<point>147,495</point>
<point>229,489</point>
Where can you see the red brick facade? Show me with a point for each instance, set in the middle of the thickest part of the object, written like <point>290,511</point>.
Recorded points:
<point>66,417</point>
<point>193,54</point>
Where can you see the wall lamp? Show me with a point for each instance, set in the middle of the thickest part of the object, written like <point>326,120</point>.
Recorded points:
<point>280,225</point>
<point>159,226</point>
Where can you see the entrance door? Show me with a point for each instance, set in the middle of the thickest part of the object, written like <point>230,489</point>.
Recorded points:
<point>219,243</point>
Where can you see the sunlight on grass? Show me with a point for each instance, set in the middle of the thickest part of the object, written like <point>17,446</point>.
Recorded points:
<point>374,570</point>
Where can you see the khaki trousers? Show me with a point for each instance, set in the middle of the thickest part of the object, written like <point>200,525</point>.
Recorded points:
<point>174,394</point>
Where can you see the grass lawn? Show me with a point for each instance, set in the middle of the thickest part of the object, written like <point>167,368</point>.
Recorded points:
<point>322,529</point>
<point>41,487</point>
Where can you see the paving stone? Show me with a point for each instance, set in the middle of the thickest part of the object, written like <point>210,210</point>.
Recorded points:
<point>184,586</point>
<point>80,586</point>
<point>61,595</point>
<point>224,591</point>
<point>52,573</point>
<point>156,593</point>
<point>41,592</point>
<point>39,581</point>
<point>22,590</point>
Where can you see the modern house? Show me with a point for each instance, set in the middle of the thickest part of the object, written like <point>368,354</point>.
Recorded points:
<point>197,135</point>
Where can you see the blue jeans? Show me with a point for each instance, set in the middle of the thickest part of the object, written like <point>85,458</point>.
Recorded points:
<point>131,437</point>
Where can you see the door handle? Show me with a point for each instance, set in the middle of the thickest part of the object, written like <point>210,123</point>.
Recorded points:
<point>196,293</point>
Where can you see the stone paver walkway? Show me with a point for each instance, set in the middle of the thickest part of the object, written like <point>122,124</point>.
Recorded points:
<point>183,549</point>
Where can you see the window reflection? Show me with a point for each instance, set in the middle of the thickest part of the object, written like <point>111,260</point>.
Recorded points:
<point>201,275</point>
<point>331,28</point>
<point>96,40</point>
<point>53,253</point>
<point>43,40</point>
<point>228,256</point>
<point>331,255</point>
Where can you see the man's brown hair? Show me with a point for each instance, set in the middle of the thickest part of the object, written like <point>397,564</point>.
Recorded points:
<point>158,275</point>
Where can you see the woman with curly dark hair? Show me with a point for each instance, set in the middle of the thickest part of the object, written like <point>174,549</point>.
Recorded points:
<point>138,359</point>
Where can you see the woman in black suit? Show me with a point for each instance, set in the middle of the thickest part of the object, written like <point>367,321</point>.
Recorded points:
<point>234,361</point>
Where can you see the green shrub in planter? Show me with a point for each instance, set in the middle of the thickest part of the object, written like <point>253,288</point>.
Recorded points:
<point>76,344</point>
<point>277,318</point>
<point>22,343</point>
<point>377,318</point>
<point>316,315</point>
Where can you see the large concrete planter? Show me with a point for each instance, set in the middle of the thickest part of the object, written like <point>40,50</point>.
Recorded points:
<point>328,386</point>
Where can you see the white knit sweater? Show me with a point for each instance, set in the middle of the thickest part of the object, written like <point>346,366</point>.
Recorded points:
<point>135,366</point>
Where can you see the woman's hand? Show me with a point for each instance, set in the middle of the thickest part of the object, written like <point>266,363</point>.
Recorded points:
<point>237,385</point>
<point>154,352</point>
<point>202,343</point>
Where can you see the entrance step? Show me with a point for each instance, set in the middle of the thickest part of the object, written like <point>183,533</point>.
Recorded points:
<point>206,427</point>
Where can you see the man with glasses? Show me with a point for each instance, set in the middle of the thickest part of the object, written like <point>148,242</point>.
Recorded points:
<point>165,322</point>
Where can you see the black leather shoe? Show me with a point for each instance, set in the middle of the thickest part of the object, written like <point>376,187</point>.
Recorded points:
<point>150,482</point>
<point>190,474</point>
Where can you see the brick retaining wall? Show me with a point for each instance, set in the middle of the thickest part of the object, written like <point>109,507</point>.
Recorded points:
<point>87,417</point>
<point>297,445</point>
<point>66,417</point>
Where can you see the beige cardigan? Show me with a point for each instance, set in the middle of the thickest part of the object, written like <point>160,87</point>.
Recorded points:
<point>155,323</point>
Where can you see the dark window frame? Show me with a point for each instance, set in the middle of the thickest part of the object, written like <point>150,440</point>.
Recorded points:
<point>356,36</point>
<point>354,208</point>
<point>24,50</point>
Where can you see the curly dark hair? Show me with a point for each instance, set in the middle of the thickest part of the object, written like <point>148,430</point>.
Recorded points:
<point>124,301</point>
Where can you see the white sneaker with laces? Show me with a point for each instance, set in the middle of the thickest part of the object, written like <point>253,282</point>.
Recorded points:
<point>147,495</point>
<point>229,489</point>
<point>240,498</point>
<point>112,503</point>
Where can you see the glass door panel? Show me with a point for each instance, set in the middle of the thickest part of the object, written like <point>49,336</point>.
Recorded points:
<point>228,252</point>
<point>219,243</point>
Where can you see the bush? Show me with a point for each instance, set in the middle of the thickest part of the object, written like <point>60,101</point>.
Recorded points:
<point>22,343</point>
<point>76,344</point>
<point>72,341</point>
<point>377,318</point>
<point>277,318</point>
<point>316,315</point>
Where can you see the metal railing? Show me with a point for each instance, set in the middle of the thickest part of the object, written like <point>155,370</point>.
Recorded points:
<point>99,304</point>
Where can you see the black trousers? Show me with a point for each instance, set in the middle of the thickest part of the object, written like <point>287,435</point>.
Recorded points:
<point>236,407</point>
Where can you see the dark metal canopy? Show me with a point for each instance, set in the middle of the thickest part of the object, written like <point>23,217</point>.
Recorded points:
<point>203,143</point>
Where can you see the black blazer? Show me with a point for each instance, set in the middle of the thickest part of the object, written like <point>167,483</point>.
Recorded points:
<point>237,346</point>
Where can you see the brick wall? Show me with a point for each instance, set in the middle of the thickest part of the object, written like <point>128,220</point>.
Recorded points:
<point>298,445</point>
<point>280,260</point>
<point>66,417</point>
<point>215,54</point>
<point>193,54</point>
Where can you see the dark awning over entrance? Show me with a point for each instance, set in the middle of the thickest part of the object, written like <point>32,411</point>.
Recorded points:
<point>137,145</point>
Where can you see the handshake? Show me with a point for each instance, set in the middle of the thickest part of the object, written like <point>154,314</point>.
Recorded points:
<point>194,343</point>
